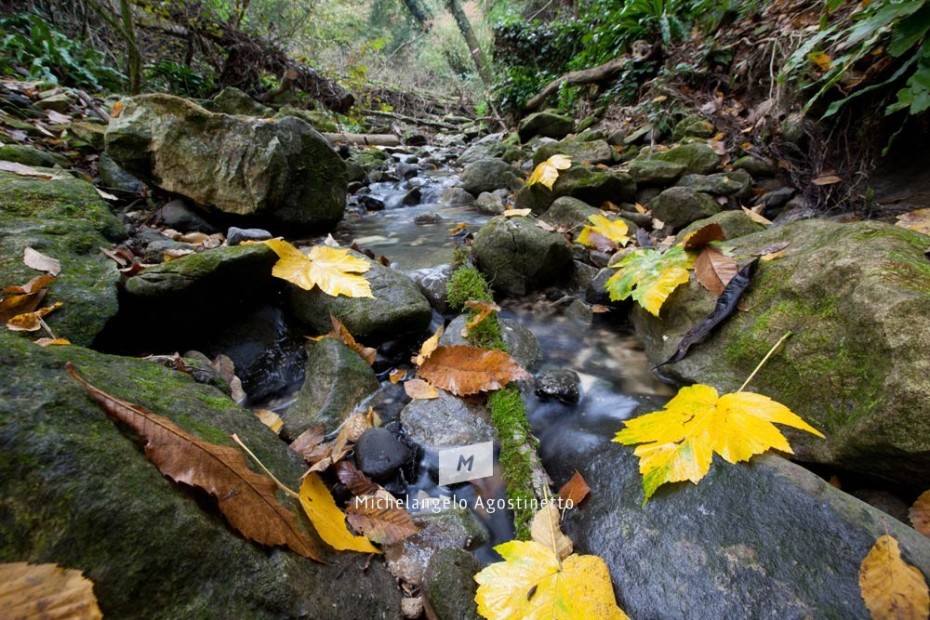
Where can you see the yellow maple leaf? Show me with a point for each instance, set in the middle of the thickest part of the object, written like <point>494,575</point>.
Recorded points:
<point>547,172</point>
<point>679,442</point>
<point>532,584</point>
<point>892,588</point>
<point>332,269</point>
<point>650,276</point>
<point>614,231</point>
<point>328,520</point>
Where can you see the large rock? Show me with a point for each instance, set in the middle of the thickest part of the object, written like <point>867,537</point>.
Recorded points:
<point>449,586</point>
<point>766,539</point>
<point>591,186</point>
<point>857,299</point>
<point>278,172</point>
<point>648,171</point>
<point>545,124</point>
<point>488,175</point>
<point>445,422</point>
<point>697,158</point>
<point>736,183</point>
<point>518,257</point>
<point>733,224</point>
<point>590,151</point>
<point>31,156</point>
<point>337,379</point>
<point>522,345</point>
<point>78,491</point>
<point>63,218</point>
<point>397,308</point>
<point>231,100</point>
<point>679,206</point>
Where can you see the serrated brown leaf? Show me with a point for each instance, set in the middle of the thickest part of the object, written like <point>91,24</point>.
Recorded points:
<point>465,370</point>
<point>575,490</point>
<point>714,270</point>
<point>892,588</point>
<point>920,514</point>
<point>46,591</point>
<point>31,287</point>
<point>308,441</point>
<point>357,482</point>
<point>380,519</point>
<point>757,217</point>
<point>245,498</point>
<point>483,309</point>
<point>702,236</point>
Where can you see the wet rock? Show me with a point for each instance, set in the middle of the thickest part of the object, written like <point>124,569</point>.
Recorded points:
<point>545,124</point>
<point>412,197</point>
<point>231,100</point>
<point>406,171</point>
<point>736,183</point>
<point>235,236</point>
<point>855,297</point>
<point>114,177</point>
<point>445,422</point>
<point>279,171</point>
<point>31,156</point>
<point>80,492</point>
<point>693,127</point>
<point>679,206</point>
<point>733,223</point>
<point>776,198</point>
<point>449,585</point>
<point>591,186</point>
<point>316,119</point>
<point>90,132</point>
<point>455,528</point>
<point>179,215</point>
<point>355,173</point>
<point>591,151</point>
<point>379,454</point>
<point>885,501</point>
<point>518,257</point>
<point>595,293</point>
<point>560,383</point>
<point>432,282</point>
<point>521,343</point>
<point>337,379</point>
<point>655,172</point>
<point>569,212</point>
<point>756,166</point>
<point>489,203</point>
<point>697,158</point>
<point>63,218</point>
<point>488,175</point>
<point>455,196</point>
<point>766,539</point>
<point>427,219</point>
<point>370,203</point>
<point>397,308</point>
<point>486,148</point>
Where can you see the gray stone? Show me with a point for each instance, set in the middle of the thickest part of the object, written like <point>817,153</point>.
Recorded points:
<point>489,203</point>
<point>397,308</point>
<point>445,422</point>
<point>559,383</point>
<point>517,256</point>
<point>337,379</point>
<point>856,298</point>
<point>59,102</point>
<point>488,175</point>
<point>432,282</point>
<point>647,171</point>
<point>279,171</point>
<point>591,186</point>
<point>733,223</point>
<point>235,236</point>
<point>776,198</point>
<point>379,454</point>
<point>231,100</point>
<point>590,151</point>
<point>31,156</point>
<point>521,343</point>
<point>679,206</point>
<point>569,212</point>
<point>455,196</point>
<point>449,585</point>
<point>79,491</point>
<point>179,215</point>
<point>693,127</point>
<point>698,158</point>
<point>756,166</point>
<point>114,177</point>
<point>545,124</point>
<point>736,183</point>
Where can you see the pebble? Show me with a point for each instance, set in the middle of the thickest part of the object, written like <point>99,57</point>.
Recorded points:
<point>235,236</point>
<point>379,454</point>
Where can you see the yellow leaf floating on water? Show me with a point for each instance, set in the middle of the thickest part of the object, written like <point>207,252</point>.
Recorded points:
<point>650,276</point>
<point>601,228</point>
<point>328,520</point>
<point>532,584</point>
<point>679,442</point>
<point>547,172</point>
<point>332,269</point>
<point>892,588</point>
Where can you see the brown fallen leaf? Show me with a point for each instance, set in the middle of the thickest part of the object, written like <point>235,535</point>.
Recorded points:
<point>599,309</point>
<point>920,514</point>
<point>702,236</point>
<point>892,588</point>
<point>545,226</point>
<point>32,286</point>
<point>418,389</point>
<point>40,262</point>
<point>245,498</point>
<point>380,519</point>
<point>341,332</point>
<point>545,530</point>
<point>397,375</point>
<point>828,179</point>
<point>575,490</point>
<point>465,370</point>
<point>428,346</point>
<point>918,221</point>
<point>308,441</point>
<point>26,171</point>
<point>31,321</point>
<point>270,419</point>
<point>714,270</point>
<point>517,212</point>
<point>53,342</point>
<point>640,208</point>
<point>757,217</point>
<point>13,304</point>
<point>46,591</point>
<point>356,481</point>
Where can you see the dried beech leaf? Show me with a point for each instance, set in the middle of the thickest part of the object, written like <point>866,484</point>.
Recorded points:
<point>30,321</point>
<point>418,389</point>
<point>245,498</point>
<point>31,287</point>
<point>341,332</point>
<point>24,170</point>
<point>13,304</point>
<point>381,519</point>
<point>46,591</point>
<point>892,588</point>
<point>308,441</point>
<point>920,514</point>
<point>41,262</point>
<point>356,481</point>
<point>483,309</point>
<point>545,530</point>
<point>575,490</point>
<point>757,217</point>
<point>427,348</point>
<point>702,236</point>
<point>270,419</point>
<point>829,179</point>
<point>465,370</point>
<point>328,520</point>
<point>714,270</point>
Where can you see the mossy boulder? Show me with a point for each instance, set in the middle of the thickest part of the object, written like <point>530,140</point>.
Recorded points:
<point>78,491</point>
<point>733,223</point>
<point>698,158</point>
<point>337,379</point>
<point>735,183</point>
<point>545,124</point>
<point>590,151</point>
<point>449,585</point>
<point>857,299</point>
<point>277,173</point>
<point>517,256</point>
<point>591,186</point>
<point>693,127</point>
<point>647,171</point>
<point>570,212</point>
<point>63,218</point>
<point>31,156</point>
<point>233,101</point>
<point>679,206</point>
<point>398,307</point>
<point>318,120</point>
<point>488,175</point>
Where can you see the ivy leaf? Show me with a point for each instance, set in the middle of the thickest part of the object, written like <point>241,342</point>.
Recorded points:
<point>679,442</point>
<point>547,172</point>
<point>332,269</point>
<point>650,276</point>
<point>601,229</point>
<point>892,588</point>
<point>532,583</point>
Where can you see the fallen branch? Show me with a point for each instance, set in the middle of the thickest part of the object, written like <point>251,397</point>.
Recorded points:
<point>575,78</point>
<point>369,139</point>
<point>412,119</point>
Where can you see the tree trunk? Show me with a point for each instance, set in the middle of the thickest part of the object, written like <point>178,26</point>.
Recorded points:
<point>134,58</point>
<point>420,13</point>
<point>461,19</point>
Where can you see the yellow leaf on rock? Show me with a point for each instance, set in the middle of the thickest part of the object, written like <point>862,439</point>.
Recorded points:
<point>892,588</point>
<point>532,584</point>
<point>31,321</point>
<point>328,520</point>
<point>920,514</point>
<point>613,230</point>
<point>53,342</point>
<point>428,346</point>
<point>517,212</point>
<point>650,276</point>
<point>418,389</point>
<point>678,443</point>
<point>333,270</point>
<point>547,172</point>
<point>46,591</point>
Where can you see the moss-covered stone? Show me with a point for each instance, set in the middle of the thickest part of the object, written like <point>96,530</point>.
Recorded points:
<point>546,124</point>
<point>63,218</point>
<point>591,186</point>
<point>231,100</point>
<point>78,491</point>
<point>736,183</point>
<point>857,299</point>
<point>697,158</point>
<point>579,149</point>
<point>733,223</point>
<point>693,127</point>
<point>679,206</point>
<point>31,156</point>
<point>449,586</point>
<point>487,175</point>
<point>647,171</point>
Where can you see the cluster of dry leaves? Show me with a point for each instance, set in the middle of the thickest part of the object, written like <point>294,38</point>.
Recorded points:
<point>21,307</point>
